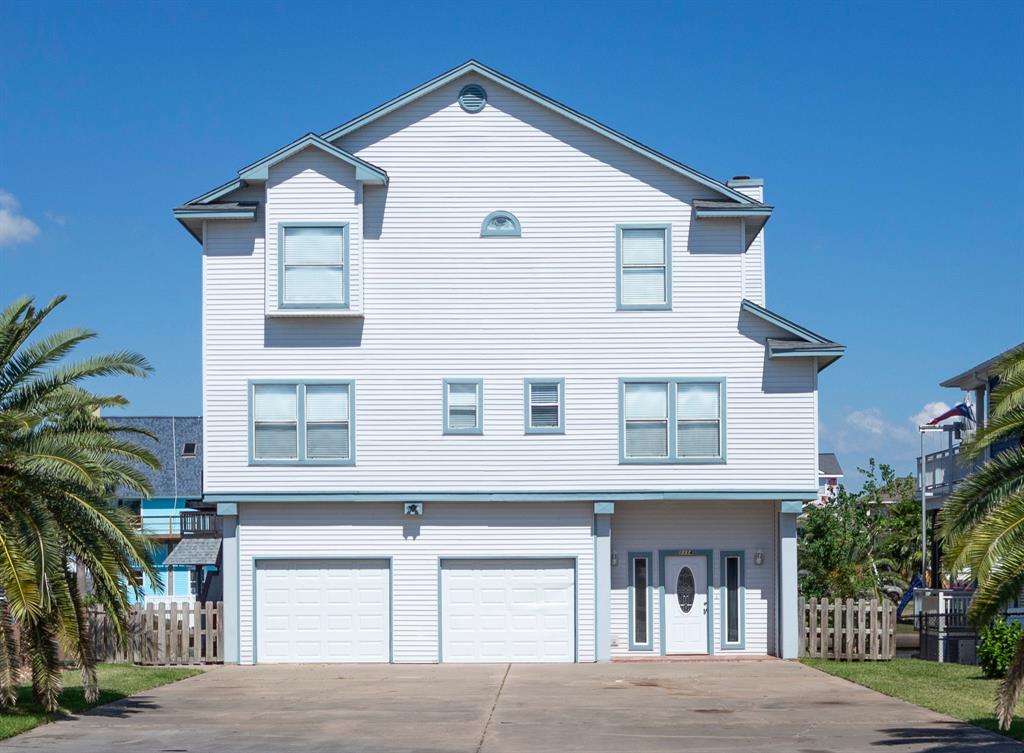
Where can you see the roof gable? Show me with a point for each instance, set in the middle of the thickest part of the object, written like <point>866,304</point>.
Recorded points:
<point>475,67</point>
<point>365,172</point>
<point>802,344</point>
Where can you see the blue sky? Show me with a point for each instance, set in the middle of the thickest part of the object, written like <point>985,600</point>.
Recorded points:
<point>890,136</point>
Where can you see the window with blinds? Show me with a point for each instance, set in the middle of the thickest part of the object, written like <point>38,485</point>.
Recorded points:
<point>313,267</point>
<point>463,407</point>
<point>302,423</point>
<point>644,267</point>
<point>545,412</point>
<point>698,419</point>
<point>673,420</point>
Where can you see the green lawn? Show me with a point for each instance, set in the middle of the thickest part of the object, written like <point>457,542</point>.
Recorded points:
<point>952,689</point>
<point>116,681</point>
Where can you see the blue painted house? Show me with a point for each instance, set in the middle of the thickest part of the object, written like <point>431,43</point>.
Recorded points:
<point>169,516</point>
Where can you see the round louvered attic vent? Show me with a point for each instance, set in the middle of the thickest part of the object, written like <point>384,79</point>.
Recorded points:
<point>472,98</point>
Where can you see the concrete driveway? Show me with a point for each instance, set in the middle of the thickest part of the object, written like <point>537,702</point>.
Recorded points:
<point>746,707</point>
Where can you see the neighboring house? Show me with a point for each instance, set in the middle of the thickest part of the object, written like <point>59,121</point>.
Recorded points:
<point>829,475</point>
<point>485,380</point>
<point>943,469</point>
<point>171,513</point>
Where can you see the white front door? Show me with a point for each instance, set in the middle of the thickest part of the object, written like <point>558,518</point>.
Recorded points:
<point>686,605</point>
<point>514,610</point>
<point>322,611</point>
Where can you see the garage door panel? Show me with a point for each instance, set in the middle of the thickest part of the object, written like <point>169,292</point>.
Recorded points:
<point>518,610</point>
<point>323,611</point>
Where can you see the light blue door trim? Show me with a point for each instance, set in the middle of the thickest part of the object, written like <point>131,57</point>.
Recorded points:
<point>479,428</point>
<point>527,403</point>
<point>346,301</point>
<point>491,558</point>
<point>648,644</point>
<point>664,554</point>
<point>740,599</point>
<point>331,558</point>
<point>667,305</point>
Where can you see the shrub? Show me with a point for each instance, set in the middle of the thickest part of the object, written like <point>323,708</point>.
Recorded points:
<point>996,646</point>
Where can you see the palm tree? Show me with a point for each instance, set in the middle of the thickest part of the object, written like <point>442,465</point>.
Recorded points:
<point>983,522</point>
<point>59,463</point>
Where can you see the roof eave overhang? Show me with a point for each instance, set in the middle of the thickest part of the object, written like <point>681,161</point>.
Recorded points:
<point>475,67</point>
<point>807,344</point>
<point>365,172</point>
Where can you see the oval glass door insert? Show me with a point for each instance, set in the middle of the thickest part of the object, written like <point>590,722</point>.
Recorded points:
<point>685,590</point>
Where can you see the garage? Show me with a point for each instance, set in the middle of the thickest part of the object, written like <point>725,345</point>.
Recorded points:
<point>323,610</point>
<point>508,610</point>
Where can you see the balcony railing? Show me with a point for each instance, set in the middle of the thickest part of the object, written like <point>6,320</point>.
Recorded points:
<point>205,524</point>
<point>945,469</point>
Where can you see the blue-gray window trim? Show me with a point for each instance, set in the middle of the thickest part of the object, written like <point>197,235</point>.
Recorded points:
<point>462,100</point>
<point>667,305</point>
<point>479,428</point>
<point>346,302</point>
<point>300,415</point>
<point>527,383</point>
<point>634,644</point>
<point>514,232</point>
<point>672,458</point>
<point>741,644</point>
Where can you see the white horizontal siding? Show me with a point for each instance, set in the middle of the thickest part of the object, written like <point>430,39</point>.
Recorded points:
<point>415,545</point>
<point>440,301</point>
<point>730,526</point>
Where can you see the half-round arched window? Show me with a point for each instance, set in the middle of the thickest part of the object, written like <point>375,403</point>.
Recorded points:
<point>500,223</point>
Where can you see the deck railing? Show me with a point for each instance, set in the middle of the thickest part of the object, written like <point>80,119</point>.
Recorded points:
<point>185,523</point>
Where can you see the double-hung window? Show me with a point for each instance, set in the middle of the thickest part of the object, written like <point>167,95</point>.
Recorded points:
<point>545,406</point>
<point>314,266</point>
<point>732,600</point>
<point>302,423</point>
<point>463,406</point>
<point>672,420</point>
<point>645,267</point>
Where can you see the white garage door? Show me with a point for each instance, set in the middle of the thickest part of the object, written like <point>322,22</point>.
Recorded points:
<point>322,611</point>
<point>508,610</point>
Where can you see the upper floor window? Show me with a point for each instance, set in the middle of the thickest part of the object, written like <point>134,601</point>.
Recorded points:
<point>463,406</point>
<point>302,423</point>
<point>314,266</point>
<point>644,267</point>
<point>545,408</point>
<point>672,421</point>
<point>499,224</point>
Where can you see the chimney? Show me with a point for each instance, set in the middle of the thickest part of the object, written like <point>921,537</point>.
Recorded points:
<point>744,184</point>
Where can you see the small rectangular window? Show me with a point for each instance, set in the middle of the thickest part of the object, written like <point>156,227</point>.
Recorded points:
<point>544,409</point>
<point>646,420</point>
<point>732,599</point>
<point>463,407</point>
<point>275,422</point>
<point>313,267</point>
<point>641,636</point>
<point>698,420</point>
<point>644,267</point>
<point>188,450</point>
<point>327,421</point>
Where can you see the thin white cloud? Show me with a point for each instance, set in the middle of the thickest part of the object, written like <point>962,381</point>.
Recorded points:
<point>928,412</point>
<point>56,219</point>
<point>15,227</point>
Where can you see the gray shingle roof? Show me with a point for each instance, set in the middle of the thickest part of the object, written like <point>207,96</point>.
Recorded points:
<point>194,551</point>
<point>828,464</point>
<point>177,476</point>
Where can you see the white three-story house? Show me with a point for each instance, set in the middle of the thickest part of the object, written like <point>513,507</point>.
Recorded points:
<point>485,380</point>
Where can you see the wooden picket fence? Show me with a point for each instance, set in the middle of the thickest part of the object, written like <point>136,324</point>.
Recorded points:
<point>185,633</point>
<point>851,630</point>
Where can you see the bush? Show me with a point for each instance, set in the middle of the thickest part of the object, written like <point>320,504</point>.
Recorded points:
<point>997,643</point>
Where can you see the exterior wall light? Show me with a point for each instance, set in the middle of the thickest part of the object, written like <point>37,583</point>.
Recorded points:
<point>759,557</point>
<point>414,508</point>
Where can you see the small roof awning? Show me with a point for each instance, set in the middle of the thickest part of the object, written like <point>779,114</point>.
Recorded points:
<point>756,215</point>
<point>803,344</point>
<point>195,551</point>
